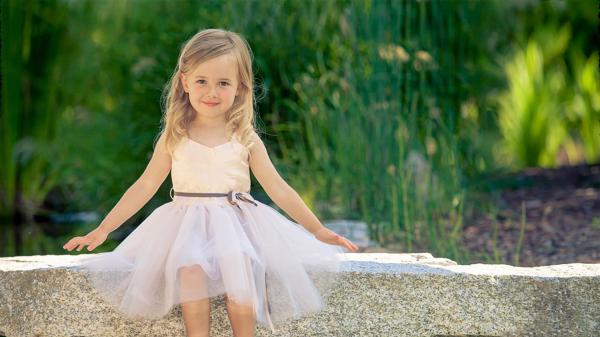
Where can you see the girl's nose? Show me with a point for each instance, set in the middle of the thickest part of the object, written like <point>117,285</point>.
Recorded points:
<point>212,91</point>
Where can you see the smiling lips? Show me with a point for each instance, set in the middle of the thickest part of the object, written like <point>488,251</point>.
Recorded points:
<point>210,104</point>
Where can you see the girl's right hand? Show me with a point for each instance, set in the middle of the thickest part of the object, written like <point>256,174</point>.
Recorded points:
<point>93,239</point>
<point>328,236</point>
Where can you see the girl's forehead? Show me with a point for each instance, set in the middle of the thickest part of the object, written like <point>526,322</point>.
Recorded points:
<point>220,67</point>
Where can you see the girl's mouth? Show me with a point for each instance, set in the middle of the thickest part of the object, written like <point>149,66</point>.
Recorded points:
<point>211,104</point>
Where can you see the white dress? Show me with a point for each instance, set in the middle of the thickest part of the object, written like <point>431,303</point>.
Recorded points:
<point>245,249</point>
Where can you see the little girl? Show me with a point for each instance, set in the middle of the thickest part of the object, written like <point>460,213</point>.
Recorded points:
<point>213,237</point>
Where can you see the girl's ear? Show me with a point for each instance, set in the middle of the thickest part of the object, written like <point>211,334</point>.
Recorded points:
<point>183,82</point>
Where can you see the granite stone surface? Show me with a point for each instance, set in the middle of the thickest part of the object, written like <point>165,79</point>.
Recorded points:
<point>378,294</point>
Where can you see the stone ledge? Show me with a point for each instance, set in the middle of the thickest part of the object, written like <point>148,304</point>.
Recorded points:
<point>378,295</point>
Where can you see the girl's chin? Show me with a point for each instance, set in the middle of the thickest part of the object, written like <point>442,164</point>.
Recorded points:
<point>209,113</point>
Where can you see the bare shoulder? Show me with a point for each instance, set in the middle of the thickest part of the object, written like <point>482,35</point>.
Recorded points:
<point>255,137</point>
<point>161,140</point>
<point>160,148</point>
<point>161,145</point>
<point>258,145</point>
<point>265,172</point>
<point>159,166</point>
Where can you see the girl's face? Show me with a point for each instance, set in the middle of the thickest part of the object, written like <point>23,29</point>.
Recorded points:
<point>212,86</point>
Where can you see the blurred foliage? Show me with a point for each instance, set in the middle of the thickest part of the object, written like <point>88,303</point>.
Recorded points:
<point>552,102</point>
<point>384,111</point>
<point>530,114</point>
<point>584,114</point>
<point>34,49</point>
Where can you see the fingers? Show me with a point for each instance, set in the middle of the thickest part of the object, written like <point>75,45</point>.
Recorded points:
<point>70,244</point>
<point>77,242</point>
<point>334,238</point>
<point>92,246</point>
<point>348,244</point>
<point>352,245</point>
<point>342,241</point>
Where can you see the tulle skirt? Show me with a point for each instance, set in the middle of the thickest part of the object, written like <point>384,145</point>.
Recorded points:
<point>200,247</point>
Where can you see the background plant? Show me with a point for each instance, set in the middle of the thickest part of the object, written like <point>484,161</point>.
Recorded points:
<point>384,111</point>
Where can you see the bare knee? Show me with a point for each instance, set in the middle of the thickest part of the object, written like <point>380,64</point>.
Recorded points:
<point>204,303</point>
<point>192,271</point>
<point>192,282</point>
<point>239,307</point>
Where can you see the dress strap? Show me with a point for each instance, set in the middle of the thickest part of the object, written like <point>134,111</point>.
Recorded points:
<point>234,137</point>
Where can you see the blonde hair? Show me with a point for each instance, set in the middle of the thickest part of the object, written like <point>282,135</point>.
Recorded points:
<point>179,113</point>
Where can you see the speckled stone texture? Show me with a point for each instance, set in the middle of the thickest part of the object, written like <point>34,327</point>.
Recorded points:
<point>378,295</point>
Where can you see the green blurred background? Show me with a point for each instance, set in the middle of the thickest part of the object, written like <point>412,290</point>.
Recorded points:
<point>396,113</point>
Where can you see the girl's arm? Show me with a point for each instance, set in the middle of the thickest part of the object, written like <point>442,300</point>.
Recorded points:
<point>138,194</point>
<point>134,198</point>
<point>287,198</point>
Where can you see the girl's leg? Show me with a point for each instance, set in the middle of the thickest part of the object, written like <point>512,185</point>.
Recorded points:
<point>241,315</point>
<point>242,318</point>
<point>196,314</point>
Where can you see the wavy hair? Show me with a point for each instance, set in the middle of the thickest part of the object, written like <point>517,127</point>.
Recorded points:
<point>178,111</point>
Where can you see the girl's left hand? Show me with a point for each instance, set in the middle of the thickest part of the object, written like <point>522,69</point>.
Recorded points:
<point>328,236</point>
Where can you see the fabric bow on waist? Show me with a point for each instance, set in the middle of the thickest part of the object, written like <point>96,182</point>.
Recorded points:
<point>233,198</point>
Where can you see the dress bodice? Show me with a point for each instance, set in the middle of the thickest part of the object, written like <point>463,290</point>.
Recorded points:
<point>199,168</point>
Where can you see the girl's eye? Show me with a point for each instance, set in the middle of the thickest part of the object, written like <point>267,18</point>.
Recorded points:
<point>219,82</point>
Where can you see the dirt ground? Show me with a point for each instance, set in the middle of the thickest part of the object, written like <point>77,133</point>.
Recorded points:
<point>562,218</point>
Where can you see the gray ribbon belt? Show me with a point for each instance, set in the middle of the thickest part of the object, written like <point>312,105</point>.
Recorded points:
<point>231,196</point>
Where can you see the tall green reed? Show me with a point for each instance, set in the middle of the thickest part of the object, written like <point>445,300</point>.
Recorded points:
<point>31,35</point>
<point>387,133</point>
